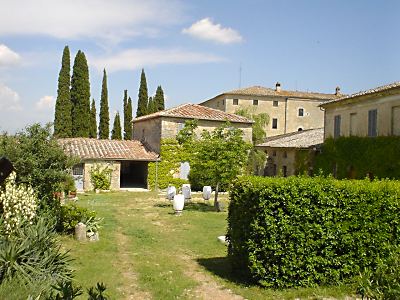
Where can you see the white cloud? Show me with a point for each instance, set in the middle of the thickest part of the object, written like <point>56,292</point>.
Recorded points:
<point>45,103</point>
<point>111,20</point>
<point>9,99</point>
<point>205,29</point>
<point>132,59</point>
<point>7,56</point>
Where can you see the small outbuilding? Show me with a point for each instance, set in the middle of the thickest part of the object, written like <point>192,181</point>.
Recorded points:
<point>127,160</point>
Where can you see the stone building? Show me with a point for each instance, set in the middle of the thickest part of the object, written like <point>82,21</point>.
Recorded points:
<point>289,153</point>
<point>375,112</point>
<point>288,111</point>
<point>128,161</point>
<point>151,129</point>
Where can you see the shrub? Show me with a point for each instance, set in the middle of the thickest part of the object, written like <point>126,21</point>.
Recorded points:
<point>100,177</point>
<point>71,215</point>
<point>301,231</point>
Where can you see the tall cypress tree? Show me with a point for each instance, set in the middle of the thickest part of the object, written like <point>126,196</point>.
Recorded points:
<point>116,131</point>
<point>128,118</point>
<point>142,97</point>
<point>159,99</point>
<point>80,96</point>
<point>93,122</point>
<point>150,106</point>
<point>104,122</point>
<point>62,115</point>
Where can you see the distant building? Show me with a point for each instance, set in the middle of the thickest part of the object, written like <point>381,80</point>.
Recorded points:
<point>128,161</point>
<point>287,151</point>
<point>288,111</point>
<point>151,129</point>
<point>375,112</point>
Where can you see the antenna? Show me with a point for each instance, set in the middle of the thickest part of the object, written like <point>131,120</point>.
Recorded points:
<point>240,75</point>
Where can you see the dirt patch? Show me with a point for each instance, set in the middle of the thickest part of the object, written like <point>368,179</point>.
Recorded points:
<point>131,290</point>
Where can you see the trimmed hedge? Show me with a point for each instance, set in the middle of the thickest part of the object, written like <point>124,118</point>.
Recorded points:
<point>302,231</point>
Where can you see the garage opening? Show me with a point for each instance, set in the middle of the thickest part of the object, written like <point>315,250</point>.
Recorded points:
<point>133,174</point>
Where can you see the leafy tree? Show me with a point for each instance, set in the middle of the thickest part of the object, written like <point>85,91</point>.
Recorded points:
<point>104,122</point>
<point>186,135</point>
<point>257,157</point>
<point>220,156</point>
<point>142,96</point>
<point>80,96</point>
<point>116,131</point>
<point>62,116</point>
<point>128,120</point>
<point>93,122</point>
<point>159,99</point>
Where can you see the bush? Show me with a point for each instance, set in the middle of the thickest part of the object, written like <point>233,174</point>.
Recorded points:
<point>71,215</point>
<point>100,177</point>
<point>301,231</point>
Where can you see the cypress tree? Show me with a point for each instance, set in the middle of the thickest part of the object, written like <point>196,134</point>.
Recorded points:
<point>142,97</point>
<point>62,115</point>
<point>104,122</point>
<point>116,131</point>
<point>128,126</point>
<point>159,99</point>
<point>80,96</point>
<point>150,106</point>
<point>93,122</point>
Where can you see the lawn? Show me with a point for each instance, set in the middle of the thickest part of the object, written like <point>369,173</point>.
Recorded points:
<point>146,252</point>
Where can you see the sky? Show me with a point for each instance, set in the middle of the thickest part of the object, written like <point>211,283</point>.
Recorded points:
<point>194,49</point>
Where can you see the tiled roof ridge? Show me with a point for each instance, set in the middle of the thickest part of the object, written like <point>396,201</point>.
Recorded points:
<point>296,133</point>
<point>366,92</point>
<point>297,139</point>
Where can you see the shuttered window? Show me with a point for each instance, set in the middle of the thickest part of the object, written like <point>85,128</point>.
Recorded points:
<point>372,122</point>
<point>336,125</point>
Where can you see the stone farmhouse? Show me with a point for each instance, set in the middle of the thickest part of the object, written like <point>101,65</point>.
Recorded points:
<point>375,112</point>
<point>284,150</point>
<point>151,129</point>
<point>128,161</point>
<point>289,111</point>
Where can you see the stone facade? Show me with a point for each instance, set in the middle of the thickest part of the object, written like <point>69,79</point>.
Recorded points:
<point>281,161</point>
<point>115,166</point>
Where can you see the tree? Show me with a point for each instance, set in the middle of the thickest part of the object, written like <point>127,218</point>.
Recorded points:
<point>104,122</point>
<point>128,120</point>
<point>80,96</point>
<point>159,99</point>
<point>116,131</point>
<point>62,115</point>
<point>151,106</point>
<point>93,122</point>
<point>220,156</point>
<point>142,96</point>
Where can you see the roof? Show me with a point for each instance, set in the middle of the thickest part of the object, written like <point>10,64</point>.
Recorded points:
<point>376,90</point>
<point>298,139</point>
<point>86,148</point>
<point>194,111</point>
<point>263,91</point>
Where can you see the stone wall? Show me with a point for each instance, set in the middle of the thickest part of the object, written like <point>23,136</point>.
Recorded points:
<point>281,157</point>
<point>115,175</point>
<point>149,132</point>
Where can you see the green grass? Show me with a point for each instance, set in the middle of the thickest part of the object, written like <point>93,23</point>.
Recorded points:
<point>147,252</point>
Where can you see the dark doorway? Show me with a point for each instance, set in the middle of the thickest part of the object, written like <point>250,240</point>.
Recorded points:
<point>133,174</point>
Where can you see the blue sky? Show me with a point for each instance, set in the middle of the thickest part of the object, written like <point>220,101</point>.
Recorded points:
<point>194,49</point>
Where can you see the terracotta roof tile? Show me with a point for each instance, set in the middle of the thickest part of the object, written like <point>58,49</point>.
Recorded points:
<point>86,148</point>
<point>379,89</point>
<point>194,111</point>
<point>298,139</point>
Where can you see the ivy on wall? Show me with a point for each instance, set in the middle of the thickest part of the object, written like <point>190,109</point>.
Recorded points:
<point>172,154</point>
<point>355,157</point>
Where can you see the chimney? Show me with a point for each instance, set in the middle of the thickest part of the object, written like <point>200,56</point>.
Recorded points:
<point>337,91</point>
<point>278,87</point>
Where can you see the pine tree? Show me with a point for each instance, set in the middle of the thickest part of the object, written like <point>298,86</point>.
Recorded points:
<point>150,106</point>
<point>80,96</point>
<point>104,122</point>
<point>159,99</point>
<point>128,128</point>
<point>62,115</point>
<point>142,97</point>
<point>116,132</point>
<point>93,122</point>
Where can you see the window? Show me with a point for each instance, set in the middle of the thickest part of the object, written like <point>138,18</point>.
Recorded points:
<point>284,171</point>
<point>396,120</point>
<point>372,122</point>
<point>353,117</point>
<point>223,102</point>
<point>77,170</point>
<point>284,154</point>
<point>274,123</point>
<point>275,103</point>
<point>300,129</point>
<point>336,126</point>
<point>274,153</point>
<point>301,112</point>
<point>255,102</point>
<point>184,170</point>
<point>235,101</point>
<point>180,126</point>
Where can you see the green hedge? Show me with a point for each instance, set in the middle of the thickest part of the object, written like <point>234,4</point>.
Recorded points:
<point>302,231</point>
<point>354,157</point>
